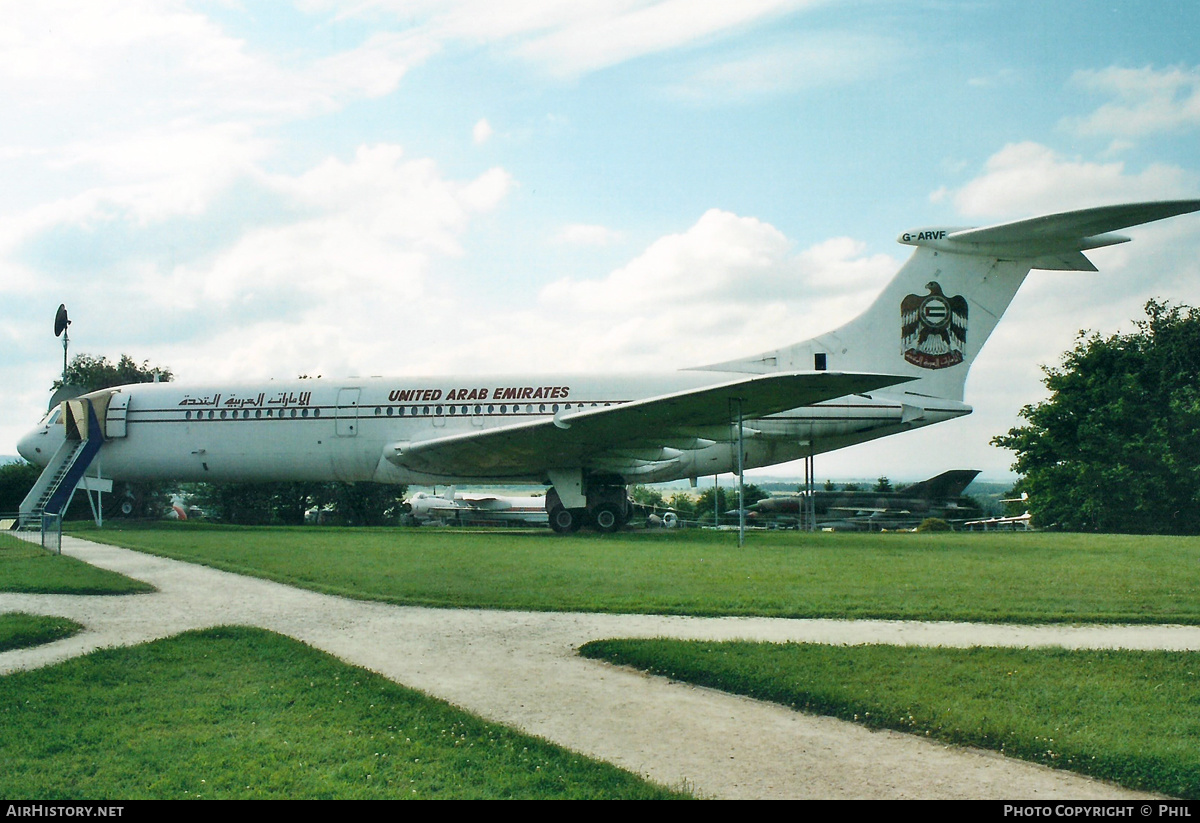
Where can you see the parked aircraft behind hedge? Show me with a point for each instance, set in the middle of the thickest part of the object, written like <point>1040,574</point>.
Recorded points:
<point>452,507</point>
<point>845,510</point>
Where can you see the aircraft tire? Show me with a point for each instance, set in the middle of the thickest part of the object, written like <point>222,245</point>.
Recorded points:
<point>564,520</point>
<point>607,518</point>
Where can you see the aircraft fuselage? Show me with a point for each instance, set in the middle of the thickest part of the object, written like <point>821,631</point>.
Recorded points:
<point>323,429</point>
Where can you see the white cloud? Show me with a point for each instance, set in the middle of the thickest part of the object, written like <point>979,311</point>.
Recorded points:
<point>603,39</point>
<point>1023,179</point>
<point>482,132</point>
<point>142,58</point>
<point>1003,77</point>
<point>376,221</point>
<point>1146,101</point>
<point>726,286</point>
<point>573,37</point>
<point>389,197</point>
<point>804,61</point>
<point>581,234</point>
<point>153,109</point>
<point>340,286</point>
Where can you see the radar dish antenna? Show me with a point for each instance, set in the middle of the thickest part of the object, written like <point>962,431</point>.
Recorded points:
<point>61,321</point>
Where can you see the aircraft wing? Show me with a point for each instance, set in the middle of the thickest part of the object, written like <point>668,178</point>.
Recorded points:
<point>583,436</point>
<point>449,508</point>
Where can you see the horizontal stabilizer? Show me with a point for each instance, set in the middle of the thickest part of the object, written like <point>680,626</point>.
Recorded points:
<point>1053,241</point>
<point>1076,225</point>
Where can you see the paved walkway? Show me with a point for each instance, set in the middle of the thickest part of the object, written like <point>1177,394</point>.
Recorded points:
<point>520,668</point>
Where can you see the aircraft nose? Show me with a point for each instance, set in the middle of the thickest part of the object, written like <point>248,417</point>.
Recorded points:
<point>30,447</point>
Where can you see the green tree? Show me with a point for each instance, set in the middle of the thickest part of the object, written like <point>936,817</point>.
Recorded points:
<point>16,479</point>
<point>752,494</point>
<point>258,504</point>
<point>1116,447</point>
<point>291,501</point>
<point>704,504</point>
<point>647,496</point>
<point>882,485</point>
<point>365,503</point>
<point>93,373</point>
<point>933,524</point>
<point>684,505</point>
<point>727,501</point>
<point>247,504</point>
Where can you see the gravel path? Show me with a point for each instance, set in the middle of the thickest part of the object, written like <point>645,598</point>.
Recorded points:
<point>520,668</point>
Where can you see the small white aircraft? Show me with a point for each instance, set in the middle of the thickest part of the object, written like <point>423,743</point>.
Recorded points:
<point>452,507</point>
<point>900,365</point>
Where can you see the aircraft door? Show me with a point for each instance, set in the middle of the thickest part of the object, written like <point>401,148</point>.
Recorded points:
<point>346,414</point>
<point>114,418</point>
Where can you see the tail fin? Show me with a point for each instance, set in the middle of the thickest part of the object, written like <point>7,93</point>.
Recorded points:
<point>933,318</point>
<point>948,485</point>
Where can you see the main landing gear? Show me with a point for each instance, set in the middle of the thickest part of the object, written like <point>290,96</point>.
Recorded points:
<point>607,510</point>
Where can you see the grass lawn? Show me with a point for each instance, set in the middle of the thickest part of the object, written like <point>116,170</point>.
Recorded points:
<point>1129,717</point>
<point>27,567</point>
<point>244,713</point>
<point>1132,717</point>
<point>1016,578</point>
<point>19,631</point>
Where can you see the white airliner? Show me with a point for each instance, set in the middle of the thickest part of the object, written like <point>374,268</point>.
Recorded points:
<point>900,365</point>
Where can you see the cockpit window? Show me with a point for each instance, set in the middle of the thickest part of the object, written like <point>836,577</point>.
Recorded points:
<point>53,416</point>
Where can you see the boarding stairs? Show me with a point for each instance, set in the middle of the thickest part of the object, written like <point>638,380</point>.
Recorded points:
<point>56,485</point>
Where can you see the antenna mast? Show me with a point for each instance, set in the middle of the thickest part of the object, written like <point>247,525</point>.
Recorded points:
<point>61,321</point>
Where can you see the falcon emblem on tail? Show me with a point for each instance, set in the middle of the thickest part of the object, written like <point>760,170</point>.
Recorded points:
<point>933,328</point>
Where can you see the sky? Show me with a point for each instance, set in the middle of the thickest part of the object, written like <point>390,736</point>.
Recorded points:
<point>246,190</point>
